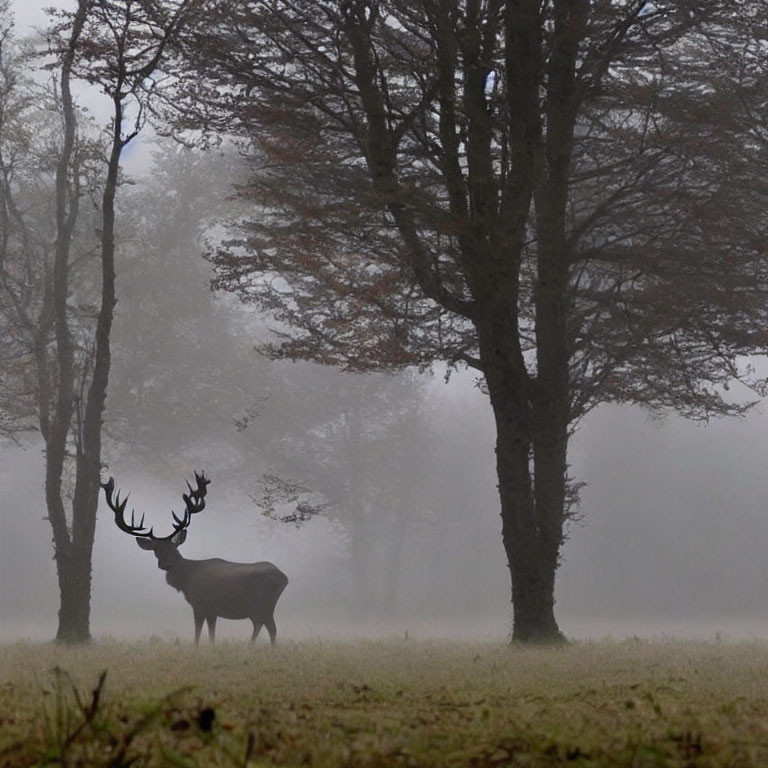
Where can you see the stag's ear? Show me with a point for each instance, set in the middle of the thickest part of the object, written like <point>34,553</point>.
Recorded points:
<point>179,538</point>
<point>145,543</point>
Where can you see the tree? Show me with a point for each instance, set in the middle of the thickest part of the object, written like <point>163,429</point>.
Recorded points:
<point>118,47</point>
<point>43,176</point>
<point>495,184</point>
<point>356,449</point>
<point>121,47</point>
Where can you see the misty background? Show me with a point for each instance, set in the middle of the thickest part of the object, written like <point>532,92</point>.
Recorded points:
<point>672,529</point>
<point>672,536</point>
<point>672,539</point>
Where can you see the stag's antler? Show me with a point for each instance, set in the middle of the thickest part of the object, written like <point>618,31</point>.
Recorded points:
<point>118,507</point>
<point>194,502</point>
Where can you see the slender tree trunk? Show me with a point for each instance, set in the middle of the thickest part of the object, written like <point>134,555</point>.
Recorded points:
<point>75,575</point>
<point>74,548</point>
<point>74,590</point>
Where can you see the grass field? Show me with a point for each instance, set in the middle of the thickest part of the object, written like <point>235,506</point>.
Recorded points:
<point>632,703</point>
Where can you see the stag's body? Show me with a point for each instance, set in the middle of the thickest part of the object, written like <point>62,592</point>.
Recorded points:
<point>217,588</point>
<point>214,588</point>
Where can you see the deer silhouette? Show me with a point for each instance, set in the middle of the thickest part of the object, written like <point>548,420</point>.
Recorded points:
<point>214,588</point>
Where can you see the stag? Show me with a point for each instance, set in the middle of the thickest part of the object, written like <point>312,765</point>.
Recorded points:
<point>214,588</point>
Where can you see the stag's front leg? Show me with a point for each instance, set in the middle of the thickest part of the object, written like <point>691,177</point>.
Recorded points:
<point>199,618</point>
<point>211,628</point>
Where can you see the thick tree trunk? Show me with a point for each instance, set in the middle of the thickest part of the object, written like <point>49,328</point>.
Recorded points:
<point>531,402</point>
<point>531,528</point>
<point>533,416</point>
<point>531,443</point>
<point>74,572</point>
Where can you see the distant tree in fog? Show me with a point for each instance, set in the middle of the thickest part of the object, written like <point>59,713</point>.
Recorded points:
<point>62,318</point>
<point>184,365</point>
<point>504,185</point>
<point>358,448</point>
<point>181,370</point>
<point>22,250</point>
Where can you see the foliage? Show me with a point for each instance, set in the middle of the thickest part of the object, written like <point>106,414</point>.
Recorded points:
<point>660,703</point>
<point>648,188</point>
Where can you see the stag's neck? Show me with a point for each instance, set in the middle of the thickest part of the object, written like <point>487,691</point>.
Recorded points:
<point>179,573</point>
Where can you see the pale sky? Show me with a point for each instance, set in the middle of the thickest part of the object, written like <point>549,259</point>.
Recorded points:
<point>29,13</point>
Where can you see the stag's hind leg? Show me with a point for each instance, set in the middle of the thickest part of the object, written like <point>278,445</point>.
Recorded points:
<point>211,628</point>
<point>272,629</point>
<point>256,629</point>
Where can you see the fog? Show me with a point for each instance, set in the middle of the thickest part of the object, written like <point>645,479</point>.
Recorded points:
<point>672,542</point>
<point>672,531</point>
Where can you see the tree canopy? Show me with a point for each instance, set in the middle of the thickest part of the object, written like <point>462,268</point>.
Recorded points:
<point>373,276</point>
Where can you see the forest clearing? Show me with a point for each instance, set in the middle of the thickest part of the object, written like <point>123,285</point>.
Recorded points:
<point>406,281</point>
<point>390,702</point>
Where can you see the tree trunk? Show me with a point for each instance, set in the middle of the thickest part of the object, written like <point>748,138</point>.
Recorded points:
<point>531,442</point>
<point>75,592</point>
<point>75,565</point>
<point>531,532</point>
<point>73,560</point>
<point>533,414</point>
<point>74,572</point>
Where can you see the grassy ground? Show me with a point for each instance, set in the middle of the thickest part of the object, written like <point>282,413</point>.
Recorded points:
<point>385,703</point>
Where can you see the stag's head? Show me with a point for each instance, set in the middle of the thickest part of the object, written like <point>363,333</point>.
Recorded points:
<point>166,548</point>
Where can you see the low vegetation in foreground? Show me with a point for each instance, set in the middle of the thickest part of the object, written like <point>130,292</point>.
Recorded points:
<point>384,703</point>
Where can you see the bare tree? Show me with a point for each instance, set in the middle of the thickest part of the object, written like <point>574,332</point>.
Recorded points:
<point>36,273</point>
<point>121,49</point>
<point>494,184</point>
<point>116,46</point>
